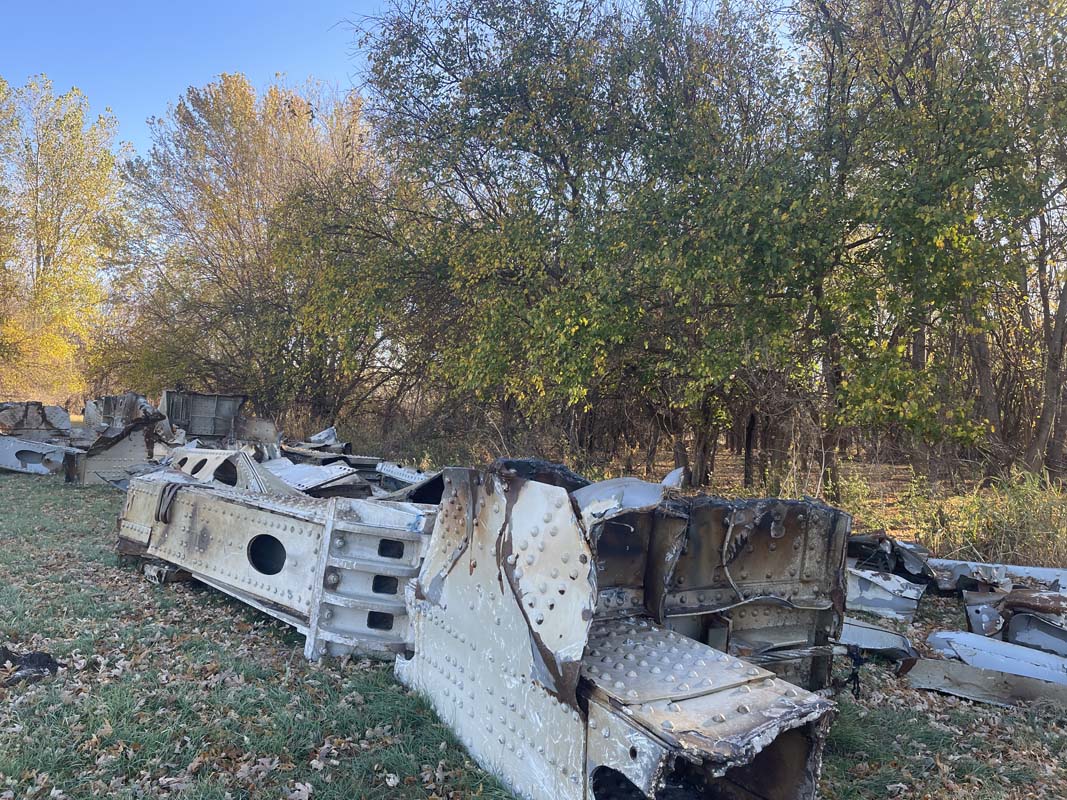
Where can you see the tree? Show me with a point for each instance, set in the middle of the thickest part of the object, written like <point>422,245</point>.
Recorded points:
<point>61,197</point>
<point>234,285</point>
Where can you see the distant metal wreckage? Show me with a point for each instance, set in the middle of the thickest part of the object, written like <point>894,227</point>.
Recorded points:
<point>599,640</point>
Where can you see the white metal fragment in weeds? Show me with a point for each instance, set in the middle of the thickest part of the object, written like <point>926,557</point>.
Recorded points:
<point>883,594</point>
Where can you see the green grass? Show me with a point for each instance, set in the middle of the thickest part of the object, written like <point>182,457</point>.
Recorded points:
<point>180,692</point>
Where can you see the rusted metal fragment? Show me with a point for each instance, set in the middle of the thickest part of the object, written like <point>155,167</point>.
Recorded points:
<point>883,594</point>
<point>334,569</point>
<point>33,457</point>
<point>767,578</point>
<point>1036,618</point>
<point>983,685</point>
<point>980,651</point>
<point>875,639</point>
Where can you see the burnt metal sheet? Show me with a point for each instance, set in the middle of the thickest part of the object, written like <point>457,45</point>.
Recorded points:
<point>335,569</point>
<point>883,594</point>
<point>985,653</point>
<point>33,457</point>
<point>949,571</point>
<point>983,685</point>
<point>875,639</point>
<point>497,646</point>
<point>505,612</point>
<point>773,571</point>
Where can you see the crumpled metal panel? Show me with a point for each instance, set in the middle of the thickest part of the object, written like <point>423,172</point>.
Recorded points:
<point>35,421</point>
<point>395,476</point>
<point>875,639</point>
<point>504,681</point>
<point>949,573</point>
<point>883,594</point>
<point>1034,630</point>
<point>33,457</point>
<point>335,569</point>
<point>501,614</point>
<point>985,653</point>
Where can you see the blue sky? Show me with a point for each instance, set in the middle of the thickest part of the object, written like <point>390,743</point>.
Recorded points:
<point>137,58</point>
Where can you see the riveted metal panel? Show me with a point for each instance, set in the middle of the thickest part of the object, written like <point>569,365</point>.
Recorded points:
<point>333,568</point>
<point>496,642</point>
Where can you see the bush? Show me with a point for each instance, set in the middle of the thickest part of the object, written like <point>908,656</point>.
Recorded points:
<point>1018,520</point>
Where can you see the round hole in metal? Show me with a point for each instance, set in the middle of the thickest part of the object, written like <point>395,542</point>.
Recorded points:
<point>266,554</point>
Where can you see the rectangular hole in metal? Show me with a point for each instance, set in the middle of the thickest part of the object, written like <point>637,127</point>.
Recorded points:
<point>385,584</point>
<point>390,548</point>
<point>379,621</point>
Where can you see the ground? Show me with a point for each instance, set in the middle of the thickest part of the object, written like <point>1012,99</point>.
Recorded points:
<point>180,692</point>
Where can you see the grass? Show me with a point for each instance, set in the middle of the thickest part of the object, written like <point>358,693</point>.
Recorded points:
<point>180,692</point>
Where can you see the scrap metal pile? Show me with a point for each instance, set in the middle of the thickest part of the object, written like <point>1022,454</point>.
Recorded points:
<point>584,640</point>
<point>1015,648</point>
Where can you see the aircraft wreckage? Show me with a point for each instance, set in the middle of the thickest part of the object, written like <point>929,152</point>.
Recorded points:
<point>584,640</point>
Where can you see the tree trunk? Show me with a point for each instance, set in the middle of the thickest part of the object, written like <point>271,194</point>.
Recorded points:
<point>750,436</point>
